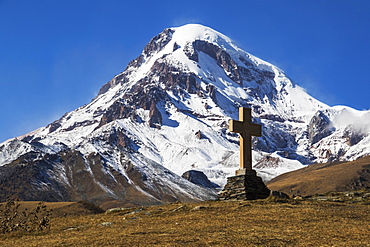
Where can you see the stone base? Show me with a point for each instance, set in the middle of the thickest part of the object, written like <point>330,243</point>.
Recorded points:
<point>244,187</point>
<point>244,171</point>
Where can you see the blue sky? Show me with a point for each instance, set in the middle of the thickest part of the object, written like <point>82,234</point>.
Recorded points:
<point>55,55</point>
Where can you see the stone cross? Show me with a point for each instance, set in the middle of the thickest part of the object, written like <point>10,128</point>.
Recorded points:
<point>246,129</point>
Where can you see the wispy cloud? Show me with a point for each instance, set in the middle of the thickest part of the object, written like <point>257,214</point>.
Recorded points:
<point>182,20</point>
<point>358,120</point>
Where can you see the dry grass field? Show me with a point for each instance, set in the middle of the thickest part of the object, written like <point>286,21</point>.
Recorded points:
<point>210,223</point>
<point>323,178</point>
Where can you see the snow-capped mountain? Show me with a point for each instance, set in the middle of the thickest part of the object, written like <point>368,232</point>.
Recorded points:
<point>168,113</point>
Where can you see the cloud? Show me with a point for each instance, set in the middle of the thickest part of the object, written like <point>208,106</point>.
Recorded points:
<point>358,120</point>
<point>183,20</point>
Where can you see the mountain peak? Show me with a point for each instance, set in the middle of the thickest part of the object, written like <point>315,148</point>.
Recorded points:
<point>192,32</point>
<point>168,113</point>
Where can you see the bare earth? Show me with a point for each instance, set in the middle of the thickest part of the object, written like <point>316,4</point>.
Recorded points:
<point>212,223</point>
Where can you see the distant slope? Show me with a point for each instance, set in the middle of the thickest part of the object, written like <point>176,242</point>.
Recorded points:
<point>322,178</point>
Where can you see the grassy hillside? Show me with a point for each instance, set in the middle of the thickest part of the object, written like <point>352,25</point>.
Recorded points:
<point>323,178</point>
<point>210,223</point>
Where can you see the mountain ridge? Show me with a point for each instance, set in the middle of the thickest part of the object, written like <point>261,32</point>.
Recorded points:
<point>168,113</point>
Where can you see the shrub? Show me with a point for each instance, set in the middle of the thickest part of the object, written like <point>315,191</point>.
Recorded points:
<point>13,219</point>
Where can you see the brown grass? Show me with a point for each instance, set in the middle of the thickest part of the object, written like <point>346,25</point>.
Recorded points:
<point>245,223</point>
<point>50,205</point>
<point>323,178</point>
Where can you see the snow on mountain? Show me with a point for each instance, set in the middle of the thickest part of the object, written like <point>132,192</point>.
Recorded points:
<point>168,113</point>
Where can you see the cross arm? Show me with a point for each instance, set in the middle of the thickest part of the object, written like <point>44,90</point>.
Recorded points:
<point>255,129</point>
<point>236,126</point>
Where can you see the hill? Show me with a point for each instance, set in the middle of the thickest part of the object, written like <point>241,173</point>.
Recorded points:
<point>323,178</point>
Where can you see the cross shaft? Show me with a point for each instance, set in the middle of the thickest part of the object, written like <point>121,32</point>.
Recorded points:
<point>246,130</point>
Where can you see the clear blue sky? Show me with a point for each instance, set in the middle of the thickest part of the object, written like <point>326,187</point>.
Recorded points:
<point>55,55</point>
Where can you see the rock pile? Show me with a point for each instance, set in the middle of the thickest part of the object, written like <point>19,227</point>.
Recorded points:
<point>244,187</point>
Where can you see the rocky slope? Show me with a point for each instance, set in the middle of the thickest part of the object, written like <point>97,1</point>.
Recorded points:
<point>167,113</point>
